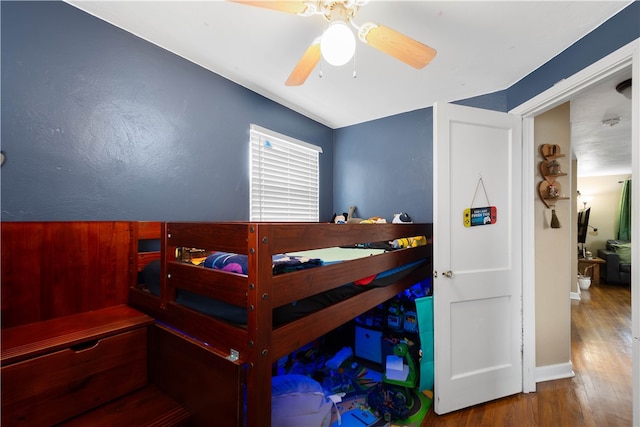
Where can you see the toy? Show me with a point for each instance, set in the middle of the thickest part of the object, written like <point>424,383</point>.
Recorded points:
<point>404,375</point>
<point>401,218</point>
<point>410,321</point>
<point>337,360</point>
<point>409,242</point>
<point>374,220</point>
<point>339,218</point>
<point>395,316</point>
<point>350,218</point>
<point>389,403</point>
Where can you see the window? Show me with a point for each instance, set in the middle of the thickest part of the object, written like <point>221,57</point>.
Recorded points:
<point>284,182</point>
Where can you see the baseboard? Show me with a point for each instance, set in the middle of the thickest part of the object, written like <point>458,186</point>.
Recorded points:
<point>554,372</point>
<point>575,295</point>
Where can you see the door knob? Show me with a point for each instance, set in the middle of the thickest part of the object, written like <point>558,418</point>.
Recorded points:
<point>448,274</point>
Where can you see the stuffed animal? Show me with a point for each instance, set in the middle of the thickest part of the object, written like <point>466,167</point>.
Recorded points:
<point>339,218</point>
<point>350,217</point>
<point>409,242</point>
<point>374,220</point>
<point>401,218</point>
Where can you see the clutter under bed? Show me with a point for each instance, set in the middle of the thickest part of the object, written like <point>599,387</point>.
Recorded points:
<point>255,292</point>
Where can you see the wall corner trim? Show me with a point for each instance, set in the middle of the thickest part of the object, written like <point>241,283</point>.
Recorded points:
<point>554,372</point>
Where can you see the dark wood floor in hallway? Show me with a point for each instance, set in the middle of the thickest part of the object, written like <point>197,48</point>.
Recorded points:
<point>600,393</point>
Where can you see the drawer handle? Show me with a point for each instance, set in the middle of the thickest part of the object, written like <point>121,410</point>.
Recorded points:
<point>85,346</point>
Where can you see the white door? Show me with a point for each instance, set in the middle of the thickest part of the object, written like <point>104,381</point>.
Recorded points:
<point>477,258</point>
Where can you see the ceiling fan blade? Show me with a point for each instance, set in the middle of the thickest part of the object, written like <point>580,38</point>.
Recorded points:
<point>396,44</point>
<point>292,6</point>
<point>306,64</point>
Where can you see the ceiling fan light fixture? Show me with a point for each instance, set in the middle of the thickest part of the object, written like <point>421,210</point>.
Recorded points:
<point>338,43</point>
<point>624,88</point>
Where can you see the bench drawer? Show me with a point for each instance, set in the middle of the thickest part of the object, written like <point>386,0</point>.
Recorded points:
<point>51,388</point>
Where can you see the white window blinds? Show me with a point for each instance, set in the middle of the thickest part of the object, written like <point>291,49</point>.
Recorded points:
<point>284,184</point>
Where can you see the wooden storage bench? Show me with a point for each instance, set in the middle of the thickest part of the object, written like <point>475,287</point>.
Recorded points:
<point>56,369</point>
<point>148,407</point>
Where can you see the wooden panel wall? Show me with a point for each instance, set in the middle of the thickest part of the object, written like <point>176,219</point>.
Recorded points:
<point>52,269</point>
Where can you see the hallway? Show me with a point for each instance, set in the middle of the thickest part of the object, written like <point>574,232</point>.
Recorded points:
<point>600,393</point>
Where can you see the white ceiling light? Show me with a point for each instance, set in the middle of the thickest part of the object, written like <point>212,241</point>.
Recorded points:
<point>338,43</point>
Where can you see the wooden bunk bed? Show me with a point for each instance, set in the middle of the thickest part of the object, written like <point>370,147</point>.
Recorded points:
<point>247,351</point>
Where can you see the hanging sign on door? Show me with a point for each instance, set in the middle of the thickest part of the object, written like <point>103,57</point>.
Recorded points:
<point>472,217</point>
<point>480,216</point>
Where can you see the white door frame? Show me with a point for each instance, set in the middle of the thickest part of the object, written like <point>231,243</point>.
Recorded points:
<point>628,55</point>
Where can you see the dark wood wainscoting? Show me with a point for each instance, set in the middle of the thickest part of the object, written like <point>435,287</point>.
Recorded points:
<point>53,269</point>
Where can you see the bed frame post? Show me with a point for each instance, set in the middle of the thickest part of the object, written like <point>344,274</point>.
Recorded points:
<point>259,324</point>
<point>167,293</point>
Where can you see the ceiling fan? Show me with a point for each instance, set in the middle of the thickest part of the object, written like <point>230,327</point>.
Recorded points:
<point>337,43</point>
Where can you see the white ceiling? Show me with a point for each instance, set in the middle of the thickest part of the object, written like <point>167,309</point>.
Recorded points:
<point>482,47</point>
<point>602,148</point>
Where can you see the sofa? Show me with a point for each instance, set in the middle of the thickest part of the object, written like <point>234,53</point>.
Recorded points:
<point>617,256</point>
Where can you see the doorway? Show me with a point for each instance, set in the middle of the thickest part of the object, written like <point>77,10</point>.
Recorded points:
<point>599,354</point>
<point>627,56</point>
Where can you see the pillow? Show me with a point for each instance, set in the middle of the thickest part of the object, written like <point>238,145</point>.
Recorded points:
<point>624,252</point>
<point>287,384</point>
<point>298,400</point>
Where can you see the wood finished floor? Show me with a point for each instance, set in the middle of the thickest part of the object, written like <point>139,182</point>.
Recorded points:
<point>600,393</point>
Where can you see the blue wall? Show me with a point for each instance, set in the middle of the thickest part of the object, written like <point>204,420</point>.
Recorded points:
<point>607,38</point>
<point>98,124</point>
<point>386,166</point>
